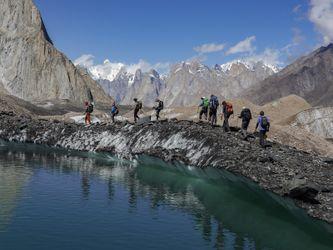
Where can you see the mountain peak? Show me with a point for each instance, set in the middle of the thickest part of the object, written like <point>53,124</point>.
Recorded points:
<point>23,35</point>
<point>322,49</point>
<point>251,65</point>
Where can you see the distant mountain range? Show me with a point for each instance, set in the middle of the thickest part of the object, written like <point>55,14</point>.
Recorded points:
<point>310,77</point>
<point>184,84</point>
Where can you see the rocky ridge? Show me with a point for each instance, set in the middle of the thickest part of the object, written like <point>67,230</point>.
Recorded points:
<point>31,68</point>
<point>304,177</point>
<point>310,77</point>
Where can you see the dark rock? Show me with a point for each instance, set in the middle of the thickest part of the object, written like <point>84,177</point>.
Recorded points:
<point>23,126</point>
<point>301,189</point>
<point>328,161</point>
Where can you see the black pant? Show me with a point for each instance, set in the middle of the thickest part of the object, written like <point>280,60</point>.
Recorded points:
<point>158,111</point>
<point>203,111</point>
<point>226,126</point>
<point>113,115</point>
<point>245,124</point>
<point>213,116</point>
<point>136,117</point>
<point>262,138</point>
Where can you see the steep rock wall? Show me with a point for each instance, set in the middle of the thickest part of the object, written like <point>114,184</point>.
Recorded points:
<point>31,68</point>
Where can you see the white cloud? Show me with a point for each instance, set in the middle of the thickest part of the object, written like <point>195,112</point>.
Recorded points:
<point>209,48</point>
<point>298,37</point>
<point>243,46</point>
<point>321,14</point>
<point>85,61</point>
<point>109,70</point>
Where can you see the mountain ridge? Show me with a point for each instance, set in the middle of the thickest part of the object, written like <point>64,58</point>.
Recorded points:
<point>310,77</point>
<point>192,79</point>
<point>31,68</point>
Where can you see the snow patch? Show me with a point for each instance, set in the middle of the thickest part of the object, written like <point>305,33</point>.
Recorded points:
<point>80,119</point>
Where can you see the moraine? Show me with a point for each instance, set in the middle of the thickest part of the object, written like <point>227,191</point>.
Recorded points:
<point>280,169</point>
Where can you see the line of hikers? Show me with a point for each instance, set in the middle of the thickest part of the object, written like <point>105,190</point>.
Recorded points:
<point>138,107</point>
<point>208,109</point>
<point>115,110</point>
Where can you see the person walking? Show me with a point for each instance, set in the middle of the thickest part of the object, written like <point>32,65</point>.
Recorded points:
<point>158,108</point>
<point>246,117</point>
<point>204,105</point>
<point>114,111</point>
<point>137,108</point>
<point>263,124</point>
<point>213,106</point>
<point>89,110</point>
<point>227,111</point>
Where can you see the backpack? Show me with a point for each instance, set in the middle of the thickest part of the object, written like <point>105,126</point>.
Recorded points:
<point>90,108</point>
<point>206,103</point>
<point>214,103</point>
<point>114,110</point>
<point>139,105</point>
<point>247,114</point>
<point>160,105</point>
<point>230,109</point>
<point>264,123</point>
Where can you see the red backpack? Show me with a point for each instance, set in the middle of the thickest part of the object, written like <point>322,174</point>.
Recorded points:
<point>230,109</point>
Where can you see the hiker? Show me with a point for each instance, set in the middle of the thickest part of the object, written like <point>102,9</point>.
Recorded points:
<point>204,108</point>
<point>227,111</point>
<point>213,106</point>
<point>263,124</point>
<point>158,108</point>
<point>138,107</point>
<point>89,110</point>
<point>246,117</point>
<point>114,111</point>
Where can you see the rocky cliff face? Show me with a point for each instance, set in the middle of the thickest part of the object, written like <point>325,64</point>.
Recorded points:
<point>310,77</point>
<point>187,82</point>
<point>145,86</point>
<point>31,68</point>
<point>318,121</point>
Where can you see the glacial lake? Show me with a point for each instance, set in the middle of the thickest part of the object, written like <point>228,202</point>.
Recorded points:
<point>53,199</point>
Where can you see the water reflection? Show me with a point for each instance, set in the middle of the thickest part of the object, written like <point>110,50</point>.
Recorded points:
<point>229,215</point>
<point>12,182</point>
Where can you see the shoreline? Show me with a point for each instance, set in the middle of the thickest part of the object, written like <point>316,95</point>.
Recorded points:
<point>306,178</point>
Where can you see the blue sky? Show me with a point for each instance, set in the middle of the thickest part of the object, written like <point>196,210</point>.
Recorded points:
<point>169,31</point>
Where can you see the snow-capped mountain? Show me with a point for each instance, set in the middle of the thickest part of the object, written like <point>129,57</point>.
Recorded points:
<point>184,84</point>
<point>126,86</point>
<point>188,81</point>
<point>106,71</point>
<point>250,65</point>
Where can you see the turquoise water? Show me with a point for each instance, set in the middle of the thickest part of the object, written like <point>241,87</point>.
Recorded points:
<point>62,200</point>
